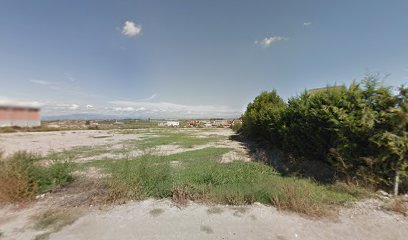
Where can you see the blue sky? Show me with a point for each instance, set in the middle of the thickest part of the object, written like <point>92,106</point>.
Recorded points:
<point>185,58</point>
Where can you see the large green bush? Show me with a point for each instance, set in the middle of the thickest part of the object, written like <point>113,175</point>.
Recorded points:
<point>360,132</point>
<point>262,116</point>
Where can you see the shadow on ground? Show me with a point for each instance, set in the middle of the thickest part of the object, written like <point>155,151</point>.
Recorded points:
<point>285,164</point>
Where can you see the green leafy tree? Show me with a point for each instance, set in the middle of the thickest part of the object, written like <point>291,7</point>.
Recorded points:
<point>262,115</point>
<point>393,138</point>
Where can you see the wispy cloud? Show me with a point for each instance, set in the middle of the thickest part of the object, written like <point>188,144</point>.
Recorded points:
<point>69,77</point>
<point>154,95</point>
<point>167,109</point>
<point>306,24</point>
<point>131,109</point>
<point>131,29</point>
<point>41,82</point>
<point>268,41</point>
<point>19,102</point>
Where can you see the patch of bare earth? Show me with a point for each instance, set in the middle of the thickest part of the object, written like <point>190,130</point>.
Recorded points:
<point>156,220</point>
<point>52,211</point>
<point>46,142</point>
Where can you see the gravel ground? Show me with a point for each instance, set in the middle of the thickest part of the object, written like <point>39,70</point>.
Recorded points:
<point>162,220</point>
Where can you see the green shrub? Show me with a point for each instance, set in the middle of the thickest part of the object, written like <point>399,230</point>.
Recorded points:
<point>360,132</point>
<point>22,176</point>
<point>262,116</point>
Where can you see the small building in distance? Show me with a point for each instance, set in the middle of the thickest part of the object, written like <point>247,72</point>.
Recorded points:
<point>19,116</point>
<point>169,124</point>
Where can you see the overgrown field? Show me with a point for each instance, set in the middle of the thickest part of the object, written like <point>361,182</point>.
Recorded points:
<point>198,175</point>
<point>195,173</point>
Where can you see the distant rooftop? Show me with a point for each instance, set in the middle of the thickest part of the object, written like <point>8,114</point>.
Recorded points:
<point>17,105</point>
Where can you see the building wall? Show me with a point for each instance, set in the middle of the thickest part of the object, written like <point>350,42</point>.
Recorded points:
<point>19,116</point>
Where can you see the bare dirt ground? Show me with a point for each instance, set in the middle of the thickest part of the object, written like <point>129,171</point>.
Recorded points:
<point>45,142</point>
<point>161,219</point>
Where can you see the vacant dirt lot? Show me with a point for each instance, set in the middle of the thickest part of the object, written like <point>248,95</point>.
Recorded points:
<point>45,142</point>
<point>161,219</point>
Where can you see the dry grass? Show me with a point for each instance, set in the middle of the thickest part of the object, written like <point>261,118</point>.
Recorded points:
<point>120,192</point>
<point>296,198</point>
<point>180,195</point>
<point>397,205</point>
<point>16,184</point>
<point>204,179</point>
<point>22,177</point>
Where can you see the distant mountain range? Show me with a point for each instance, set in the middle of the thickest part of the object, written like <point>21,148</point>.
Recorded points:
<point>83,116</point>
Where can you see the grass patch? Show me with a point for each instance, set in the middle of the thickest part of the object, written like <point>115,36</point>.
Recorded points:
<point>22,176</point>
<point>202,177</point>
<point>182,139</point>
<point>79,152</point>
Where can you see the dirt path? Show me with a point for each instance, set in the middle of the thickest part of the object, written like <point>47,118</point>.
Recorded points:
<point>161,220</point>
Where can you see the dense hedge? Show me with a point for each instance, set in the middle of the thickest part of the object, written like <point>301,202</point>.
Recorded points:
<point>359,131</point>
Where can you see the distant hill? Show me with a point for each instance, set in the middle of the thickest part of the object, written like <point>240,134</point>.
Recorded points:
<point>83,116</point>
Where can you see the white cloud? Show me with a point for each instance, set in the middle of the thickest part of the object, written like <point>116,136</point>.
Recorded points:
<point>19,102</point>
<point>41,82</point>
<point>151,97</point>
<point>74,107</point>
<point>306,24</point>
<point>124,109</point>
<point>131,29</point>
<point>268,41</point>
<point>166,109</point>
<point>131,109</point>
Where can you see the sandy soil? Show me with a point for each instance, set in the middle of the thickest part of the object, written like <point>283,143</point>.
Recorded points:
<point>162,220</point>
<point>45,142</point>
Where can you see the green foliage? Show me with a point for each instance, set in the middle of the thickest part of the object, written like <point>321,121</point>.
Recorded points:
<point>199,175</point>
<point>263,115</point>
<point>22,176</point>
<point>360,132</point>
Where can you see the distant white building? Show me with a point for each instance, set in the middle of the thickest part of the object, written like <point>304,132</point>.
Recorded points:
<point>169,124</point>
